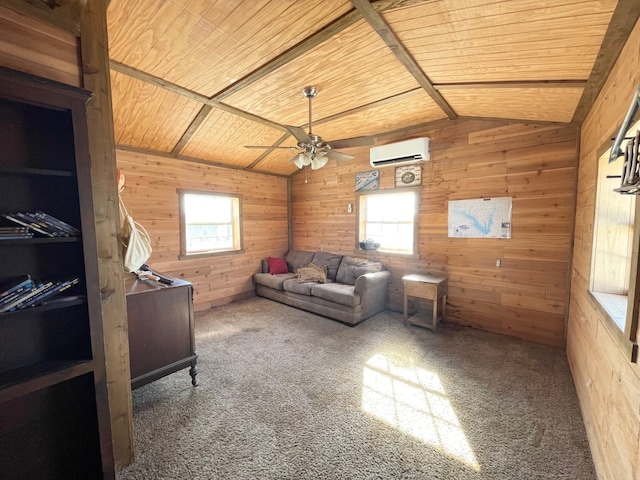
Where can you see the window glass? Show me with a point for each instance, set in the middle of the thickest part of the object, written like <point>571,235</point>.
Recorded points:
<point>210,223</point>
<point>389,219</point>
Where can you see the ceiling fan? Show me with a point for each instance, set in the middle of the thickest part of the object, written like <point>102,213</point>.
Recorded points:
<point>314,151</point>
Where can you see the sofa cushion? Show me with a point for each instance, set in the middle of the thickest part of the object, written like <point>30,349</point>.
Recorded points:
<point>297,259</point>
<point>329,260</point>
<point>312,273</point>
<point>272,281</point>
<point>294,286</point>
<point>277,265</point>
<point>351,268</point>
<point>336,292</point>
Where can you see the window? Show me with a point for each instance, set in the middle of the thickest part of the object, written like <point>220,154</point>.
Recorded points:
<point>209,223</point>
<point>390,219</point>
<point>613,273</point>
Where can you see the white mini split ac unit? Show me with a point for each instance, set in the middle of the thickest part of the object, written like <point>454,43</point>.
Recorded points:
<point>401,153</point>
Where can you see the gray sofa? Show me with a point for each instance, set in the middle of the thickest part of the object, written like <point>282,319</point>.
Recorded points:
<point>355,288</point>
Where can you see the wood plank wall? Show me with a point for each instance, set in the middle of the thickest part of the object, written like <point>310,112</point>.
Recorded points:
<point>151,198</point>
<point>534,164</point>
<point>608,384</point>
<point>31,46</point>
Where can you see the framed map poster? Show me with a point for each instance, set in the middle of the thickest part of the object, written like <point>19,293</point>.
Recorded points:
<point>480,218</point>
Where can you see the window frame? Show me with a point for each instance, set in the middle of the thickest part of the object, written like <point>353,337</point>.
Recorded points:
<point>390,191</point>
<point>236,225</point>
<point>625,338</point>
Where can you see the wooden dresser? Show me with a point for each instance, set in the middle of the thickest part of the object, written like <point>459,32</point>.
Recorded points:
<point>161,329</point>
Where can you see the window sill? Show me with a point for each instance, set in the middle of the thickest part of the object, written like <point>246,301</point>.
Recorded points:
<point>383,253</point>
<point>613,309</point>
<point>191,256</point>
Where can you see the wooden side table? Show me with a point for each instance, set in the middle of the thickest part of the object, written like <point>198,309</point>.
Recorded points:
<point>430,287</point>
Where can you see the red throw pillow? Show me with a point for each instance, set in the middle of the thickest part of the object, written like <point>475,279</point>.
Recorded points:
<point>277,265</point>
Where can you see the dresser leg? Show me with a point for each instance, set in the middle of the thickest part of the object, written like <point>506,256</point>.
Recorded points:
<point>444,307</point>
<point>435,314</point>
<point>193,371</point>
<point>406,315</point>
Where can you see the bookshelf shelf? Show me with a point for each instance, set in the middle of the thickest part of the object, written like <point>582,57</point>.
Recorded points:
<point>30,378</point>
<point>37,240</point>
<point>53,389</point>
<point>53,304</point>
<point>8,170</point>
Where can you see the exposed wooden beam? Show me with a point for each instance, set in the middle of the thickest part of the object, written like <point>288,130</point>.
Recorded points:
<point>268,151</point>
<point>322,35</point>
<point>383,29</point>
<point>547,123</point>
<point>247,115</point>
<point>414,129</point>
<point>378,103</point>
<point>384,101</point>
<point>157,81</point>
<point>384,5</point>
<point>513,84</point>
<point>193,126</point>
<point>622,22</point>
<point>185,92</point>
<point>287,56</point>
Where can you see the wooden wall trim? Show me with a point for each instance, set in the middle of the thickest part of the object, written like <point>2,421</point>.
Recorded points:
<point>95,62</point>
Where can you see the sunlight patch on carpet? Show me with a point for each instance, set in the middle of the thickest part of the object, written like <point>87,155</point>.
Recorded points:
<point>413,400</point>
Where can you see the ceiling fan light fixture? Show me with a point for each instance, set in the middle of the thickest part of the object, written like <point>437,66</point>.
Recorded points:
<point>318,161</point>
<point>315,153</point>
<point>302,160</point>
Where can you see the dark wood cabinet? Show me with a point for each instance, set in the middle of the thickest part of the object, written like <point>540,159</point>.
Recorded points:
<point>161,329</point>
<point>54,417</point>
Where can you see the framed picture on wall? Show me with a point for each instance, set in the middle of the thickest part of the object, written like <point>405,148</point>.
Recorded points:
<point>367,181</point>
<point>408,176</point>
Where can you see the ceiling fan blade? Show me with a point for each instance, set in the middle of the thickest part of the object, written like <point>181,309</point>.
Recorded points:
<point>270,146</point>
<point>299,134</point>
<point>353,142</point>
<point>333,155</point>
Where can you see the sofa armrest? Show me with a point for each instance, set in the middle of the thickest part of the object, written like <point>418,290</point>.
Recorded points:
<point>372,288</point>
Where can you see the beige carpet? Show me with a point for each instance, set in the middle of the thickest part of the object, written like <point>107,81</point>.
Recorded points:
<point>286,394</point>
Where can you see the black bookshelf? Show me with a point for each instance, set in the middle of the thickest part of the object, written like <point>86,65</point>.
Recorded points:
<point>53,391</point>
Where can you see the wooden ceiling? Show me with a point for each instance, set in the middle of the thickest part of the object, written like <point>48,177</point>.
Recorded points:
<point>199,79</point>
